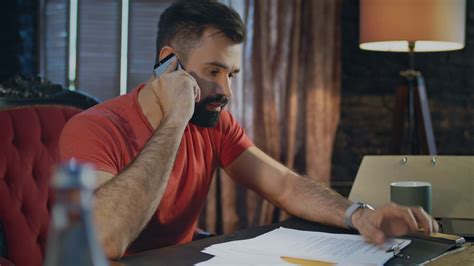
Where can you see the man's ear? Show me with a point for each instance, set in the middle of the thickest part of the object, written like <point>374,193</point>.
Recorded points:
<point>165,51</point>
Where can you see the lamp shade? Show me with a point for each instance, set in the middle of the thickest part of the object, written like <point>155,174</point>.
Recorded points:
<point>433,25</point>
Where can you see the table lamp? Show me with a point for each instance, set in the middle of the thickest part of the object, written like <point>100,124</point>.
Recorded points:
<point>412,26</point>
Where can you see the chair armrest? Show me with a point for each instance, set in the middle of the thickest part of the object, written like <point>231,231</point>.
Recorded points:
<point>5,262</point>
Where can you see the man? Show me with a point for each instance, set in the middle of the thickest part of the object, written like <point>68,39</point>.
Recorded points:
<point>156,148</point>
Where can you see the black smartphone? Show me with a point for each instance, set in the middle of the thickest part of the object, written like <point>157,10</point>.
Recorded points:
<point>161,66</point>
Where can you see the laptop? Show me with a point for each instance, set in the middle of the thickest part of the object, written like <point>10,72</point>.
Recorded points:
<point>451,178</point>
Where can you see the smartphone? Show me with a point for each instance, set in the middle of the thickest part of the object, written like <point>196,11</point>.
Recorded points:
<point>161,66</point>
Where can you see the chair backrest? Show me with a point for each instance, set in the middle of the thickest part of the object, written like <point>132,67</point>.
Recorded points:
<point>29,135</point>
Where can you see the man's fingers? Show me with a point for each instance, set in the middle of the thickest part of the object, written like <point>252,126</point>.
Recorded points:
<point>195,86</point>
<point>372,234</point>
<point>367,226</point>
<point>393,220</point>
<point>424,220</point>
<point>398,220</point>
<point>407,215</point>
<point>185,73</point>
<point>435,225</point>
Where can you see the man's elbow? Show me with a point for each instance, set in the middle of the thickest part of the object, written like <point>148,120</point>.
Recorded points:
<point>114,248</point>
<point>286,196</point>
<point>113,240</point>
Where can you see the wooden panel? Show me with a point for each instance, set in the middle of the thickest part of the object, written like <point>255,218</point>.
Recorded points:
<point>452,180</point>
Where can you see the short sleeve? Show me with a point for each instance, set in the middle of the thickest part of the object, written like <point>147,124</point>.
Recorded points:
<point>86,139</point>
<point>233,140</point>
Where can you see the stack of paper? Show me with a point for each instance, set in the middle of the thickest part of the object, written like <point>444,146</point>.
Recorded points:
<point>282,246</point>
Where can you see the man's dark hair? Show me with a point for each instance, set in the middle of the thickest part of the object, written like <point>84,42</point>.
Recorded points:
<point>183,23</point>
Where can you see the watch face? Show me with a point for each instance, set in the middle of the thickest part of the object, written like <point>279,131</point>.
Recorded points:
<point>368,206</point>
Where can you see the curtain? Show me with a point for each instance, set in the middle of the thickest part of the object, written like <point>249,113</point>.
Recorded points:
<point>288,101</point>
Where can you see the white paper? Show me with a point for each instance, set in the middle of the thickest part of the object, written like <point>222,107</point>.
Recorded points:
<point>267,249</point>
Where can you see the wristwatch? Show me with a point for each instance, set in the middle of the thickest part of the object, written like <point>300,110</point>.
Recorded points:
<point>353,208</point>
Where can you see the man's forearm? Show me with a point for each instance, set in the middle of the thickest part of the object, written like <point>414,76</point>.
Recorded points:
<point>315,201</point>
<point>300,196</point>
<point>125,204</point>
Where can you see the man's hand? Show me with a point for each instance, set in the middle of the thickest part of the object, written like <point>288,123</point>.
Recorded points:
<point>175,93</point>
<point>392,220</point>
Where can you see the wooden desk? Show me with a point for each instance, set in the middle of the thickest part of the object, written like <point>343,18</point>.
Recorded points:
<point>463,256</point>
<point>189,254</point>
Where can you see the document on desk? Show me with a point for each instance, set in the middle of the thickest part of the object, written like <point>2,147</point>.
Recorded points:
<point>276,246</point>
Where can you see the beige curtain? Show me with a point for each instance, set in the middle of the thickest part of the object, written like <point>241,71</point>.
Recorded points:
<point>289,101</point>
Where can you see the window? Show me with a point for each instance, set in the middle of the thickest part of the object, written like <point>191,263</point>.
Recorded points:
<point>54,49</point>
<point>144,16</point>
<point>96,66</point>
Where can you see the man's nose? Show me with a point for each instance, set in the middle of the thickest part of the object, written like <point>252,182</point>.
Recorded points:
<point>224,87</point>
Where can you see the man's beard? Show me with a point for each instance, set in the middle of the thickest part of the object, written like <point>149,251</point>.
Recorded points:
<point>207,118</point>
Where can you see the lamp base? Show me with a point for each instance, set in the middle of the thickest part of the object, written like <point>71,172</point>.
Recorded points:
<point>415,135</point>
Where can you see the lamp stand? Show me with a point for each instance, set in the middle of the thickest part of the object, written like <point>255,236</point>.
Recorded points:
<point>411,102</point>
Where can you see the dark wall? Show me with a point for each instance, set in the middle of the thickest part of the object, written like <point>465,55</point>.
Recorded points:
<point>369,80</point>
<point>18,38</point>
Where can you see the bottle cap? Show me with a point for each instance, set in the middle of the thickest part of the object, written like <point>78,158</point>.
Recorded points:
<point>74,175</point>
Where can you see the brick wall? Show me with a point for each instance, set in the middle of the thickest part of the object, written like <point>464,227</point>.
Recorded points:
<point>369,80</point>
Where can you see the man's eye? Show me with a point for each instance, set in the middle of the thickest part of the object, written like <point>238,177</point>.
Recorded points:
<point>214,72</point>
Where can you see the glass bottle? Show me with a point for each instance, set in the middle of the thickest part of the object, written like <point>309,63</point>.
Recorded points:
<point>71,238</point>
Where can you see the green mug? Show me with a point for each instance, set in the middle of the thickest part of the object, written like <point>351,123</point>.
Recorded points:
<point>411,193</point>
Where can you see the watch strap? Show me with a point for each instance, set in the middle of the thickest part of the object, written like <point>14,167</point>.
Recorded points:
<point>350,211</point>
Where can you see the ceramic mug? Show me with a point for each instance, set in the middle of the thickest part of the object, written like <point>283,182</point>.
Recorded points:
<point>411,193</point>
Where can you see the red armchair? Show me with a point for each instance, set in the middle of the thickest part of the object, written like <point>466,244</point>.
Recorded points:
<point>32,115</point>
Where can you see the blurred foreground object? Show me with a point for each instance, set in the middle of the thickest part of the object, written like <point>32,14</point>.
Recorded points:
<point>72,239</point>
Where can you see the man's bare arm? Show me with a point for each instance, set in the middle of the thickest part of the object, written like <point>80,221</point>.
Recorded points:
<point>125,203</point>
<point>283,187</point>
<point>314,201</point>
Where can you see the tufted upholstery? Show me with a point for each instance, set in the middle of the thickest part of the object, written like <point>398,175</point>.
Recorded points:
<point>28,149</point>
<point>33,112</point>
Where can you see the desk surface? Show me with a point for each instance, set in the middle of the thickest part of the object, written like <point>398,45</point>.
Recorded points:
<point>189,254</point>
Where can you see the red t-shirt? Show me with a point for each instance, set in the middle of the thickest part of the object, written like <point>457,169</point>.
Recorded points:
<point>111,134</point>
